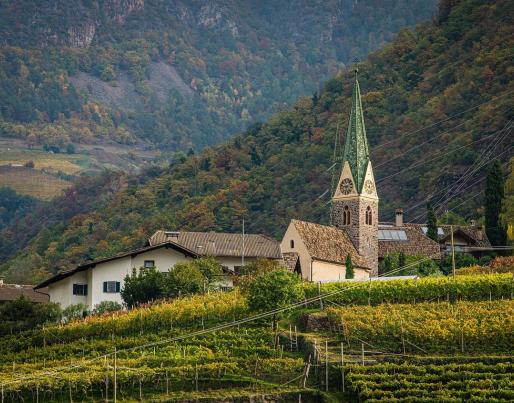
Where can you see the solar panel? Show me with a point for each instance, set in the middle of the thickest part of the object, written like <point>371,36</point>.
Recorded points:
<point>392,235</point>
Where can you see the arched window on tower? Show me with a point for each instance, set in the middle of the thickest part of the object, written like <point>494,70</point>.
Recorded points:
<point>292,244</point>
<point>369,216</point>
<point>346,216</point>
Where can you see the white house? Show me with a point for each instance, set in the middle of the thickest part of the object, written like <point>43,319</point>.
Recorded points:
<point>102,279</point>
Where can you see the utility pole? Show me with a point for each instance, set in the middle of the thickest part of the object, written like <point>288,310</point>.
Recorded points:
<point>453,252</point>
<point>243,250</point>
<point>115,380</point>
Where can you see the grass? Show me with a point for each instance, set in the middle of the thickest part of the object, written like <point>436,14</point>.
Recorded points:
<point>32,182</point>
<point>69,164</point>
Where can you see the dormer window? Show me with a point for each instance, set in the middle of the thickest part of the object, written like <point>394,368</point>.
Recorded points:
<point>346,216</point>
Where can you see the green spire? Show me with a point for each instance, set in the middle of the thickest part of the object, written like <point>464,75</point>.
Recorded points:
<point>356,145</point>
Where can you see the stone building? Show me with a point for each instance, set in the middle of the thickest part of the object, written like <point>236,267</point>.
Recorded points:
<point>321,250</point>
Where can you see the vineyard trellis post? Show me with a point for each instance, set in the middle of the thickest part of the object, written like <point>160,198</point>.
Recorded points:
<point>2,393</point>
<point>319,296</point>
<point>342,364</point>
<point>306,372</point>
<point>115,383</point>
<point>362,349</point>
<point>326,365</point>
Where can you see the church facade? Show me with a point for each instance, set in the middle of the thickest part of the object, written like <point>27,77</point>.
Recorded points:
<point>319,252</point>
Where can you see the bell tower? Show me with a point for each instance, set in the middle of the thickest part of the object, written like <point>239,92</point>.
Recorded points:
<point>355,200</point>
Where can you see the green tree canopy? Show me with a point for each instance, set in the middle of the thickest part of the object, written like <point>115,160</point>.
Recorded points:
<point>274,289</point>
<point>349,267</point>
<point>494,193</point>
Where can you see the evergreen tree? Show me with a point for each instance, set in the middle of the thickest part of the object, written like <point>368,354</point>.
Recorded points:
<point>401,260</point>
<point>349,267</point>
<point>494,193</point>
<point>431,223</point>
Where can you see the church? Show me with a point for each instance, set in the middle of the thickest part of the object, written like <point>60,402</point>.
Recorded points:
<point>319,252</point>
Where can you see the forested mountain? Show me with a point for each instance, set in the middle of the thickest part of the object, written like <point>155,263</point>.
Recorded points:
<point>178,74</point>
<point>438,104</point>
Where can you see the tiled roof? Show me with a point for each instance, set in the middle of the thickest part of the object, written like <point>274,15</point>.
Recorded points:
<point>328,243</point>
<point>134,252</point>
<point>415,244</point>
<point>11,292</point>
<point>221,244</point>
<point>476,234</point>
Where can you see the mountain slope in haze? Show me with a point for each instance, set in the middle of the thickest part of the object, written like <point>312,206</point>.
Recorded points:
<point>178,74</point>
<point>436,101</point>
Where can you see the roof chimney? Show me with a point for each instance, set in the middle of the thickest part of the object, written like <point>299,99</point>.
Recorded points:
<point>399,217</point>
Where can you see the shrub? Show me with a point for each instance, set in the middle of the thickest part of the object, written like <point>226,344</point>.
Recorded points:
<point>74,312</point>
<point>461,260</point>
<point>275,289</point>
<point>185,279</point>
<point>23,314</point>
<point>106,306</point>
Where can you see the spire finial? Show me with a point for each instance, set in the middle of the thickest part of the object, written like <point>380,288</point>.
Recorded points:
<point>356,70</point>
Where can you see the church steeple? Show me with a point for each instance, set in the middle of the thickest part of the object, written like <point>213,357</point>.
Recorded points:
<point>356,145</point>
<point>355,201</point>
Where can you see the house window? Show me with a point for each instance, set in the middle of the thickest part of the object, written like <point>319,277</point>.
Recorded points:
<point>237,269</point>
<point>149,263</point>
<point>369,217</point>
<point>80,289</point>
<point>111,287</point>
<point>292,244</point>
<point>346,216</point>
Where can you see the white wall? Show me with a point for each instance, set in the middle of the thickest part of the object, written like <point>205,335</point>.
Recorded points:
<point>327,272</point>
<point>61,292</point>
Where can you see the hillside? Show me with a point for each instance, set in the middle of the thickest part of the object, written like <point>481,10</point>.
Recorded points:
<point>436,102</point>
<point>212,348</point>
<point>176,74</point>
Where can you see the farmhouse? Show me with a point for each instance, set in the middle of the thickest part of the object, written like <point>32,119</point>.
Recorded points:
<point>102,279</point>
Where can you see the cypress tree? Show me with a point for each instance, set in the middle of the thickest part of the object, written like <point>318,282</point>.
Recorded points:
<point>431,223</point>
<point>401,260</point>
<point>349,267</point>
<point>494,193</point>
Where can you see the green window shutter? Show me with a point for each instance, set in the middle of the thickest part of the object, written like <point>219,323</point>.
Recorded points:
<point>105,286</point>
<point>117,286</point>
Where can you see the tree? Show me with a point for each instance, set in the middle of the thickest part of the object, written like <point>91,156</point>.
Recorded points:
<point>401,260</point>
<point>143,286</point>
<point>461,260</point>
<point>274,289</point>
<point>349,268</point>
<point>23,314</point>
<point>386,266</point>
<point>184,279</point>
<point>494,193</point>
<point>431,223</point>
<point>210,268</point>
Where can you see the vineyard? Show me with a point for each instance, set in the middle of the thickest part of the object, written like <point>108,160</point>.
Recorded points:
<point>410,348</point>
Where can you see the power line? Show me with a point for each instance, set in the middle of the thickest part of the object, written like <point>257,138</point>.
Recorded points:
<point>222,326</point>
<point>442,121</point>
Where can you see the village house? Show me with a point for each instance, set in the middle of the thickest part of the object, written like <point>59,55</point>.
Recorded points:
<point>11,292</point>
<point>102,279</point>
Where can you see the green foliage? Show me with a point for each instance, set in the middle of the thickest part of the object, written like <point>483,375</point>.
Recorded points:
<point>106,307</point>
<point>254,269</point>
<point>408,265</point>
<point>22,314</point>
<point>209,267</point>
<point>185,279</point>
<point>461,260</point>
<point>184,85</point>
<point>74,312</point>
<point>349,267</point>
<point>273,290</point>
<point>431,223</point>
<point>494,193</point>
<point>507,215</point>
<point>143,285</point>
<point>472,288</point>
